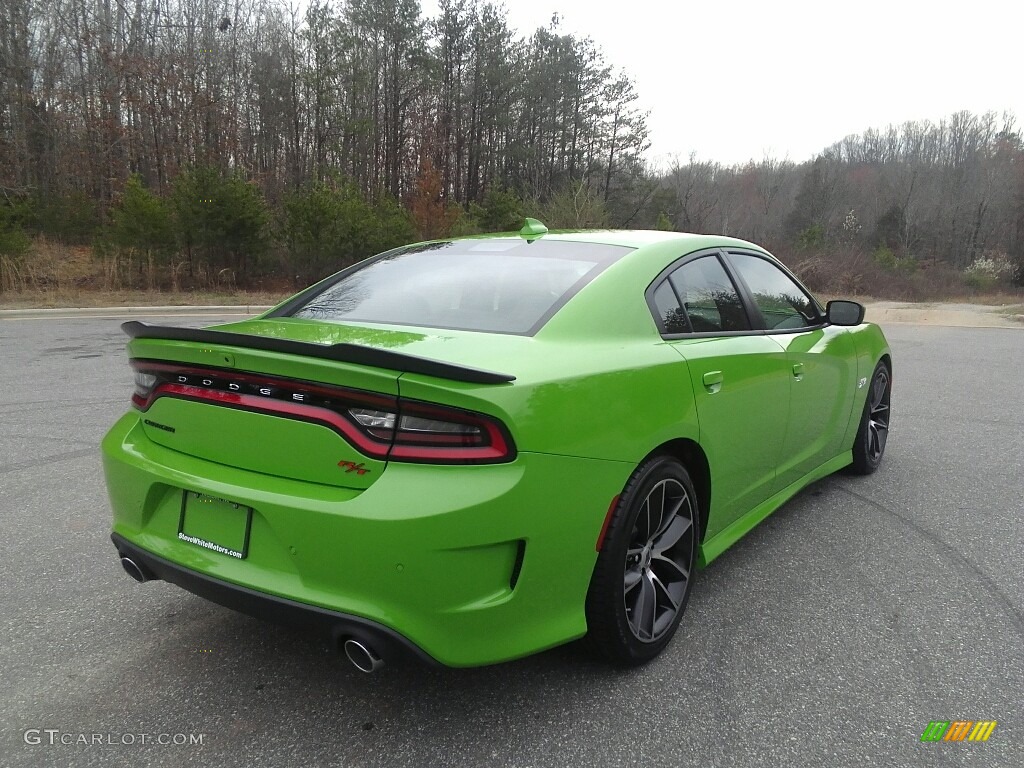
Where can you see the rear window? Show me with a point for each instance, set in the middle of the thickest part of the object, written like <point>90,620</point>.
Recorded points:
<point>505,285</point>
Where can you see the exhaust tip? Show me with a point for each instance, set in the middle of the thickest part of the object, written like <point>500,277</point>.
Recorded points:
<point>362,657</point>
<point>134,570</point>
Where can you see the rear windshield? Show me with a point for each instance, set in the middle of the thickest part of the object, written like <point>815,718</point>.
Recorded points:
<point>505,285</point>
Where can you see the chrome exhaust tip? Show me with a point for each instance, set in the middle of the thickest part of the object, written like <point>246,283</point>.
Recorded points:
<point>133,570</point>
<point>362,657</point>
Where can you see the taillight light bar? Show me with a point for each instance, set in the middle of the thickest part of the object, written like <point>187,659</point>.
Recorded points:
<point>380,426</point>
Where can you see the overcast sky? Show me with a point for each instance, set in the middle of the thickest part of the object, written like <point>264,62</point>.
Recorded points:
<point>732,80</point>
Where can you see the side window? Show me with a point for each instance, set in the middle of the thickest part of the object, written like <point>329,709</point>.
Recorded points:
<point>782,302</point>
<point>671,314</point>
<point>709,298</point>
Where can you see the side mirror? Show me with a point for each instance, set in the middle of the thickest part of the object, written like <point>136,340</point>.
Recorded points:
<point>842,312</point>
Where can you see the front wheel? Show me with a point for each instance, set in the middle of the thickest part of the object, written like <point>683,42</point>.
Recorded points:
<point>873,433</point>
<point>645,569</point>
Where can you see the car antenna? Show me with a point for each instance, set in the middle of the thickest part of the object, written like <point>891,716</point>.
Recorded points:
<point>532,229</point>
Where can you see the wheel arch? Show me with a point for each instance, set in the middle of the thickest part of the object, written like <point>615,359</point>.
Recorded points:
<point>692,456</point>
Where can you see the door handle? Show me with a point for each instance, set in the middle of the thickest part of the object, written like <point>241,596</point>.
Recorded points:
<point>713,381</point>
<point>798,371</point>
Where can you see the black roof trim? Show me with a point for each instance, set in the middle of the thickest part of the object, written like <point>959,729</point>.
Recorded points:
<point>345,353</point>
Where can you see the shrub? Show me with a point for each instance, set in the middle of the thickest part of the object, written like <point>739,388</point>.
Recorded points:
<point>811,237</point>
<point>576,206</point>
<point>501,212</point>
<point>328,227</point>
<point>884,257</point>
<point>468,222</point>
<point>72,218</point>
<point>848,271</point>
<point>433,216</point>
<point>13,240</point>
<point>220,222</point>
<point>142,221</point>
<point>992,268</point>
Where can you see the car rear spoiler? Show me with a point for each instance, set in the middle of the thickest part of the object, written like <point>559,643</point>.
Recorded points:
<point>345,353</point>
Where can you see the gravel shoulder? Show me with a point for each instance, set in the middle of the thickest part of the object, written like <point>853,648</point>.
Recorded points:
<point>946,314</point>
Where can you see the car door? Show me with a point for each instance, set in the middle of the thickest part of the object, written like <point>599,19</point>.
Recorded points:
<point>822,363</point>
<point>740,379</point>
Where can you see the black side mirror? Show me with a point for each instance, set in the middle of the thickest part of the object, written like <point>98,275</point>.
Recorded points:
<point>841,312</point>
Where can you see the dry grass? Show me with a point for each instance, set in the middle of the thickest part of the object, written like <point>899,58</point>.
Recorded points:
<point>1013,312</point>
<point>90,298</point>
<point>57,275</point>
<point>852,273</point>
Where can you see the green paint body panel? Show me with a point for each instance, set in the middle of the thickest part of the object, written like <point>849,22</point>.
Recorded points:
<point>739,435</point>
<point>430,550</point>
<point>271,445</point>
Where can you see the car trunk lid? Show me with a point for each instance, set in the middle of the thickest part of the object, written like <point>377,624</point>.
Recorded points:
<point>292,399</point>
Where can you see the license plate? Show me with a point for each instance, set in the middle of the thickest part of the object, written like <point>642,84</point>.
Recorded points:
<point>215,524</point>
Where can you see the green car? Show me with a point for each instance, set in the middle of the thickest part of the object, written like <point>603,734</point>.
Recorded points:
<point>477,449</point>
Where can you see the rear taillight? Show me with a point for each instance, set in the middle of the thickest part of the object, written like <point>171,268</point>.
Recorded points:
<point>380,426</point>
<point>430,433</point>
<point>422,432</point>
<point>144,383</point>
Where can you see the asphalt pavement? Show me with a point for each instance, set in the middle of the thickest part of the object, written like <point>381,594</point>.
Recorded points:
<point>830,636</point>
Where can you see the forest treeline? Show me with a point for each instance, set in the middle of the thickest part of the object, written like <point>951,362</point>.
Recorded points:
<point>196,142</point>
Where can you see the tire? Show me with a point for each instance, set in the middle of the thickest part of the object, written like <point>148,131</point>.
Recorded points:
<point>873,432</point>
<point>645,569</point>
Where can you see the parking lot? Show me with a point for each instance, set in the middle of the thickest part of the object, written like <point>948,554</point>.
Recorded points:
<point>831,635</point>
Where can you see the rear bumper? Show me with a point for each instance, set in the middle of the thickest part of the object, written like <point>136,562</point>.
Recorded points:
<point>336,626</point>
<point>468,565</point>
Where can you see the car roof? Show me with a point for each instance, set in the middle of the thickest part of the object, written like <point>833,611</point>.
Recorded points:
<point>638,238</point>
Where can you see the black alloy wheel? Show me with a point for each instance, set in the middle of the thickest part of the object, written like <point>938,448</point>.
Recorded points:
<point>645,569</point>
<point>873,433</point>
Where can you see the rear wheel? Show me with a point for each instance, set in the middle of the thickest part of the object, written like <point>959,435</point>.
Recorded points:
<point>873,433</point>
<point>645,569</point>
